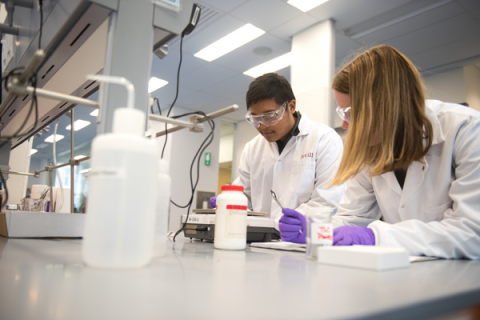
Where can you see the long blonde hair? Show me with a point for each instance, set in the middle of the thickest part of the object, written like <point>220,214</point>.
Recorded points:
<point>388,127</point>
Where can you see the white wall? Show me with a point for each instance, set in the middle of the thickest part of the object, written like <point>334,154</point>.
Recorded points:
<point>244,133</point>
<point>448,86</point>
<point>20,162</point>
<point>226,148</point>
<point>183,145</point>
<point>472,86</point>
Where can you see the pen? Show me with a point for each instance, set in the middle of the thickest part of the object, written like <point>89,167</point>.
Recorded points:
<point>274,196</point>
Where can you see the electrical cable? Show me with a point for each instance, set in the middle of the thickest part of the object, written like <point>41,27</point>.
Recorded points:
<point>56,170</point>
<point>176,93</point>
<point>208,140</point>
<point>158,106</point>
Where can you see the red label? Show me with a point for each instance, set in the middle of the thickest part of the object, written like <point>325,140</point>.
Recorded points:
<point>236,207</point>
<point>325,233</point>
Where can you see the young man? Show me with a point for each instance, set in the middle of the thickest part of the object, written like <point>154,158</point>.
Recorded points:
<point>293,156</point>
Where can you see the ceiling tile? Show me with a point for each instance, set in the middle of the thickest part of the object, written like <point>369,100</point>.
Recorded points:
<point>463,49</point>
<point>243,58</point>
<point>167,68</point>
<point>207,76</point>
<point>166,94</point>
<point>266,14</point>
<point>436,35</point>
<point>223,5</point>
<point>232,87</point>
<point>420,21</point>
<point>347,13</point>
<point>294,26</point>
<point>469,4</point>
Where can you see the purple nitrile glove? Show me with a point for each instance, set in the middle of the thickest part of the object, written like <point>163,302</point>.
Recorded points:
<point>213,202</point>
<point>350,235</point>
<point>292,226</point>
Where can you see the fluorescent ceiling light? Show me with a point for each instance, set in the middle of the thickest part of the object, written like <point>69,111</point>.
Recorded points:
<point>230,42</point>
<point>155,84</point>
<point>50,138</point>
<point>271,66</point>
<point>79,157</point>
<point>84,170</point>
<point>33,151</point>
<point>305,5</point>
<point>94,113</point>
<point>77,125</point>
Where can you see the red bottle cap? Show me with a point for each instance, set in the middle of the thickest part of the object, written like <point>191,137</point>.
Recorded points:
<point>232,188</point>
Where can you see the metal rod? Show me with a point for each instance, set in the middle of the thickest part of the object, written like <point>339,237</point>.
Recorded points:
<point>72,155</point>
<point>181,123</point>
<point>20,173</point>
<point>200,119</point>
<point>62,165</point>
<point>5,28</point>
<point>21,90</point>
<point>50,174</point>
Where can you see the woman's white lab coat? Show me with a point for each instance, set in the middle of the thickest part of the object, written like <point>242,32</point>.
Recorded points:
<point>438,211</point>
<point>298,175</point>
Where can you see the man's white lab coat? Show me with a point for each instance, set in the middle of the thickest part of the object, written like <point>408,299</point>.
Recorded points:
<point>438,211</point>
<point>298,176</point>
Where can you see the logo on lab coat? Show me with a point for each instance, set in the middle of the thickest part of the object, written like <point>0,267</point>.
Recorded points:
<point>307,155</point>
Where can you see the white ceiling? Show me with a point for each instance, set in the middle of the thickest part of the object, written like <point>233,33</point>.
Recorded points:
<point>437,40</point>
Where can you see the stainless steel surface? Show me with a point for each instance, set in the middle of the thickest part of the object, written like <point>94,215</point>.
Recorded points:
<point>274,196</point>
<point>21,90</point>
<point>72,155</point>
<point>200,119</point>
<point>46,279</point>
<point>50,176</point>
<point>181,123</point>
<point>20,173</point>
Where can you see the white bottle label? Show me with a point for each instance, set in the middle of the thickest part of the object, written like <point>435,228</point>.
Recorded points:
<point>236,222</point>
<point>322,233</point>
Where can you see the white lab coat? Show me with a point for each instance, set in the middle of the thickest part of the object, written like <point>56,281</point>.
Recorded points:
<point>438,211</point>
<point>298,176</point>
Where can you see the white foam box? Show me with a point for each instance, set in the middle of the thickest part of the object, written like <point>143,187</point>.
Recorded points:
<point>26,224</point>
<point>364,257</point>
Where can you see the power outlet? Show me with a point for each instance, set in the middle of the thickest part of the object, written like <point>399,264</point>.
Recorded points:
<point>7,51</point>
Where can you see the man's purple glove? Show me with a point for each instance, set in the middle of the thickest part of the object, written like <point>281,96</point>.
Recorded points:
<point>292,226</point>
<point>213,202</point>
<point>349,235</point>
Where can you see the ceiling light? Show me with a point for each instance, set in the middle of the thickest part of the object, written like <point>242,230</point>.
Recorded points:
<point>79,157</point>
<point>50,138</point>
<point>33,151</point>
<point>305,5</point>
<point>84,170</point>
<point>230,42</point>
<point>94,113</point>
<point>77,125</point>
<point>271,66</point>
<point>155,84</point>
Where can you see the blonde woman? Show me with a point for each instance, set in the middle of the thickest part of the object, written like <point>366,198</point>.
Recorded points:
<point>415,163</point>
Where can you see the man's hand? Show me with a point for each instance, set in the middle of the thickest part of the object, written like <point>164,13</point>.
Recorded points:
<point>292,226</point>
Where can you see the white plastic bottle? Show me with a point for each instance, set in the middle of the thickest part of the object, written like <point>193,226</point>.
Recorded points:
<point>163,208</point>
<point>231,219</point>
<point>120,219</point>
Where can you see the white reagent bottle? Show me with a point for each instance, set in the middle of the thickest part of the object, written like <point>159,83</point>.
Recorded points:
<point>163,208</point>
<point>231,219</point>
<point>120,219</point>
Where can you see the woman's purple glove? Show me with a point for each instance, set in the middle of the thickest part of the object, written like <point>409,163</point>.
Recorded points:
<point>349,235</point>
<point>292,226</point>
<point>213,202</point>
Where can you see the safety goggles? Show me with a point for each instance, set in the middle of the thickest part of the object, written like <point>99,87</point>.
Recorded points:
<point>344,113</point>
<point>268,118</point>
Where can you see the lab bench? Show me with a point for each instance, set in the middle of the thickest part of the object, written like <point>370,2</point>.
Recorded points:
<point>47,279</point>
